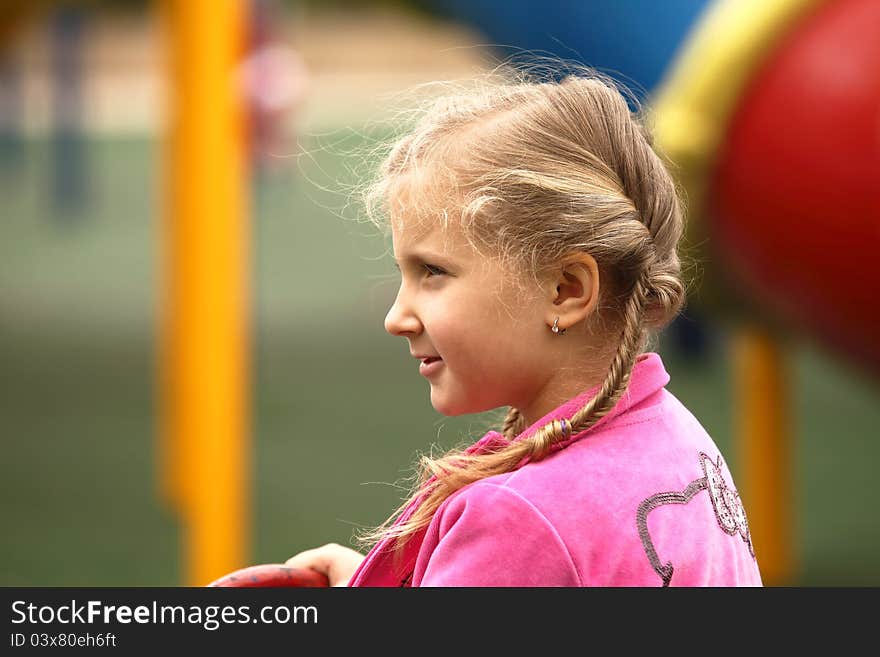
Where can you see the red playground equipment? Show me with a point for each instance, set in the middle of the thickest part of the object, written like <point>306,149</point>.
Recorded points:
<point>271,575</point>
<point>792,200</point>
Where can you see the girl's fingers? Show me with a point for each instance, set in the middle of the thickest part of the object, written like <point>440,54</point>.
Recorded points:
<point>317,559</point>
<point>338,563</point>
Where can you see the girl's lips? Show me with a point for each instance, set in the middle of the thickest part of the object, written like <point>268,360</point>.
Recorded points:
<point>430,365</point>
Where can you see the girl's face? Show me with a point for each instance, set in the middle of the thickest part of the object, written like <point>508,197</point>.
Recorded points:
<point>478,334</point>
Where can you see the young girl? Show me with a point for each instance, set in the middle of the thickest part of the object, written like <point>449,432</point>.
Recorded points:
<point>536,233</point>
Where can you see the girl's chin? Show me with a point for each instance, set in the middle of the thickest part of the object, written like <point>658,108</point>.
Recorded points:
<point>450,408</point>
<point>445,406</point>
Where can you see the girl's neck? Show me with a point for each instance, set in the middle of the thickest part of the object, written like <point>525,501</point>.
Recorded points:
<point>566,382</point>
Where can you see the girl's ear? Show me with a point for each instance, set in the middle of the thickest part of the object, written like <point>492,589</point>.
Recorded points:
<point>575,290</point>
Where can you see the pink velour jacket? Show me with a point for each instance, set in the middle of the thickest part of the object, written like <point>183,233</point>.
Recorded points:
<point>644,498</point>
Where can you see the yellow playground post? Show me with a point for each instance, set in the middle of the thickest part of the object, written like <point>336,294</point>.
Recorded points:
<point>204,455</point>
<point>763,435</point>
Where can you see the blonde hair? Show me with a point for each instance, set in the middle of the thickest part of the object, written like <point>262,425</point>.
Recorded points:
<point>540,169</point>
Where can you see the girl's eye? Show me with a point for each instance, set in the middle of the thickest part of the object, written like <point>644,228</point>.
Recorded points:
<point>434,270</point>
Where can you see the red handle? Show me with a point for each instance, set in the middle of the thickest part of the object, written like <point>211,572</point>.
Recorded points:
<point>272,574</point>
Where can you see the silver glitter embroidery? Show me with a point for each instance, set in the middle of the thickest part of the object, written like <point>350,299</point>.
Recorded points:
<point>726,505</point>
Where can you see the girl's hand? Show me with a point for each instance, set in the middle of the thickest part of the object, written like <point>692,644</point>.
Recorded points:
<point>338,563</point>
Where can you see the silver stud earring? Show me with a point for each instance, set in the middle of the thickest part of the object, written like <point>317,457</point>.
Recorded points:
<point>555,328</point>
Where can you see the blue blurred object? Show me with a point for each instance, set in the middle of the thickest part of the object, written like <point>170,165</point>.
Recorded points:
<point>634,41</point>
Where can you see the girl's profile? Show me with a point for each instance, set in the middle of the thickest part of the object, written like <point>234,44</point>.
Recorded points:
<point>537,234</point>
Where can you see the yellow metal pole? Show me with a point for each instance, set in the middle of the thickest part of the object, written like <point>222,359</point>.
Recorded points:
<point>205,350</point>
<point>764,443</point>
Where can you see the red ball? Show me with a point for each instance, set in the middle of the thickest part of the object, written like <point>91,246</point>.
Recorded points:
<point>793,206</point>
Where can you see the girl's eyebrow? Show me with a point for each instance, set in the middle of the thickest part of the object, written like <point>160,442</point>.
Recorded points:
<point>419,257</point>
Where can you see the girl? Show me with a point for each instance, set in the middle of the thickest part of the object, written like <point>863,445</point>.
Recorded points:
<point>536,232</point>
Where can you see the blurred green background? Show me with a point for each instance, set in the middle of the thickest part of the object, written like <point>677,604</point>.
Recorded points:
<point>339,410</point>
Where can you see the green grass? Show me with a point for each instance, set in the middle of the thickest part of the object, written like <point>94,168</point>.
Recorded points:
<point>339,411</point>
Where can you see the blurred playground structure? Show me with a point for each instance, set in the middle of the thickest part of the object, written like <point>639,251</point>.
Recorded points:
<point>170,200</point>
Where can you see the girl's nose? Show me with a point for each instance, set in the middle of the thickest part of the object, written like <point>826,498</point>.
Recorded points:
<point>400,319</point>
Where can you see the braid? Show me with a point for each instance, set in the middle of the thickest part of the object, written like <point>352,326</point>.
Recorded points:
<point>631,344</point>
<point>513,423</point>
